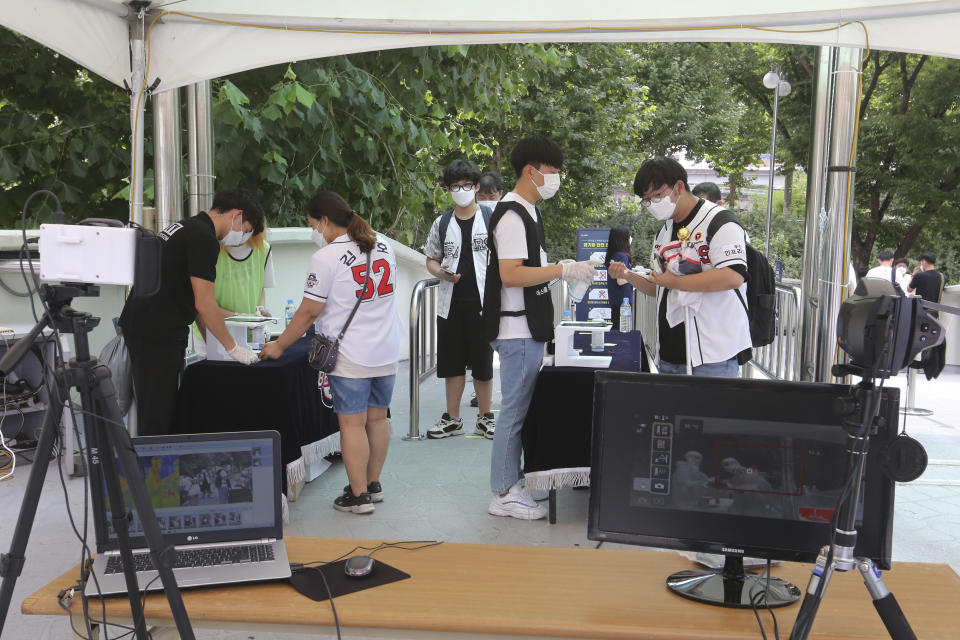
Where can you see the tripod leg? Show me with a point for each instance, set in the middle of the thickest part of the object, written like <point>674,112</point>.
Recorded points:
<point>884,602</point>
<point>119,517</point>
<point>811,601</point>
<point>118,440</point>
<point>11,564</point>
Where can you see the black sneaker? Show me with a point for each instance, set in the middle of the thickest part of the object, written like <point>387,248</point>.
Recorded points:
<point>474,402</point>
<point>374,489</point>
<point>356,504</point>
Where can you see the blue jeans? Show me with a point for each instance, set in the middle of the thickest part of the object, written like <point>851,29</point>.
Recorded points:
<point>520,360</point>
<point>726,369</point>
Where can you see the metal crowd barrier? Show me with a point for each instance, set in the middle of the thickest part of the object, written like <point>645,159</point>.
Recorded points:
<point>779,360</point>
<point>423,345</point>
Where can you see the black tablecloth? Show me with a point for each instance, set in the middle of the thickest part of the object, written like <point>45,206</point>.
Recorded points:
<point>282,394</point>
<point>557,430</point>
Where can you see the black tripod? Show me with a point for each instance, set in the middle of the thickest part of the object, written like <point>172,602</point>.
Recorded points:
<point>107,444</point>
<point>861,409</point>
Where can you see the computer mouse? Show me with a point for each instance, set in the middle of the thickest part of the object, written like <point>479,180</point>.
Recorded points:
<point>358,566</point>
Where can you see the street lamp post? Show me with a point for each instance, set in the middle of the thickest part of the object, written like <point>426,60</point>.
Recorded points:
<point>773,80</point>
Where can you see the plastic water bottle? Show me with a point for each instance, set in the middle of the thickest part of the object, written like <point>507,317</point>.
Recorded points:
<point>626,316</point>
<point>566,315</point>
<point>288,312</point>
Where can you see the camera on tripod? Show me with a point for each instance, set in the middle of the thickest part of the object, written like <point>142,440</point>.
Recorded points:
<point>100,251</point>
<point>882,331</point>
<point>82,257</point>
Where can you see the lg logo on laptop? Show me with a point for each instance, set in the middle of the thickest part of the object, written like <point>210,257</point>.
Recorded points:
<point>192,538</point>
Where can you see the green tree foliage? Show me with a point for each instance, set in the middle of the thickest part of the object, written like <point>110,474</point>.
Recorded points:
<point>908,166</point>
<point>61,129</point>
<point>378,127</point>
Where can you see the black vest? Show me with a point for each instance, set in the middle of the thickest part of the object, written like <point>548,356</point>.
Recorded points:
<point>536,299</point>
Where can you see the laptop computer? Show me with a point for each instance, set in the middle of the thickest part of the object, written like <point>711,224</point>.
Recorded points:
<point>216,497</point>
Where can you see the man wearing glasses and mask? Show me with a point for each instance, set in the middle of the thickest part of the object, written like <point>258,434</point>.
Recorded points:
<point>457,254</point>
<point>155,328</point>
<point>698,273</point>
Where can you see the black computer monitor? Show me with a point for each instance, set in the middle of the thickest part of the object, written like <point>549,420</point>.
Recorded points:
<point>731,466</point>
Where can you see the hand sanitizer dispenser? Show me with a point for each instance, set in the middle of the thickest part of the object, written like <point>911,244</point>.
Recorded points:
<point>566,356</point>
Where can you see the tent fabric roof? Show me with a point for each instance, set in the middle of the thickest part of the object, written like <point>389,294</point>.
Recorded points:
<point>195,40</point>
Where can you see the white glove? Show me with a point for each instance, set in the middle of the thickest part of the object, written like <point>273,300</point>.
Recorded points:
<point>584,271</point>
<point>243,355</point>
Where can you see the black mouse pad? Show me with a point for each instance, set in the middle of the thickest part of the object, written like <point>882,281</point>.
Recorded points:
<point>308,581</point>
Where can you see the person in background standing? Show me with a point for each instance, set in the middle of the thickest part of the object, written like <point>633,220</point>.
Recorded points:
<point>518,311</point>
<point>709,191</point>
<point>710,272</point>
<point>244,273</point>
<point>490,189</point>
<point>457,254</point>
<point>618,289</point>
<point>902,275</point>
<point>927,282</point>
<point>363,378</point>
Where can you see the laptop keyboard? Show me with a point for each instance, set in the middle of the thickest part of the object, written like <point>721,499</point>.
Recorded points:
<point>208,557</point>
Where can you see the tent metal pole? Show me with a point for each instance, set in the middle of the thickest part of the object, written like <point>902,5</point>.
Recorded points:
<point>167,158</point>
<point>138,98</point>
<point>826,257</point>
<point>200,176</point>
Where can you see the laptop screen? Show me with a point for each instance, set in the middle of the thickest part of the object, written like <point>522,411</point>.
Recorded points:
<point>205,488</point>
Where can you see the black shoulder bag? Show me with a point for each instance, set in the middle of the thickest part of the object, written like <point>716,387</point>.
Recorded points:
<point>323,352</point>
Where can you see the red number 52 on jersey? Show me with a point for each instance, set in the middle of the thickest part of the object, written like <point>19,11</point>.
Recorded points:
<point>379,279</point>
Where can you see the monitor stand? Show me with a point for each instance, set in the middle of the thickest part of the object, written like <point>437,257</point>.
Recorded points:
<point>732,586</point>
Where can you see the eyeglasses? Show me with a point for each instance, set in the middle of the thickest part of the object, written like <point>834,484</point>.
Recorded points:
<point>466,186</point>
<point>646,202</point>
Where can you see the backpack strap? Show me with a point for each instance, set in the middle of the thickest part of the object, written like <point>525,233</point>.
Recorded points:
<point>720,218</point>
<point>444,223</point>
<point>447,216</point>
<point>487,213</point>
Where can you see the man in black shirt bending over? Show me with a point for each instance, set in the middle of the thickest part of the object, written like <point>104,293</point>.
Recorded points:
<point>155,328</point>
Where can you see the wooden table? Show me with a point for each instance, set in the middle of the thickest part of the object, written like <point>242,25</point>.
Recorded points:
<point>490,591</point>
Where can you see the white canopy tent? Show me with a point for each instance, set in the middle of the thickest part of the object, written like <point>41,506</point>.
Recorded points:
<point>164,44</point>
<point>194,40</point>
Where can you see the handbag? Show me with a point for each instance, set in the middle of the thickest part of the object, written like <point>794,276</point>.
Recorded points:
<point>323,352</point>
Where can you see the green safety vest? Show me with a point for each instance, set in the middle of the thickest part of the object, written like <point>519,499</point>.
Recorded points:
<point>239,282</point>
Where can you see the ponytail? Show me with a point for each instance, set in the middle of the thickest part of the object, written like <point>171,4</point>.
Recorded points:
<point>335,208</point>
<point>361,233</point>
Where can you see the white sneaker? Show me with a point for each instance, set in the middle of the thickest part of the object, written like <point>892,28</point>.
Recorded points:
<point>516,504</point>
<point>538,494</point>
<point>486,426</point>
<point>446,427</point>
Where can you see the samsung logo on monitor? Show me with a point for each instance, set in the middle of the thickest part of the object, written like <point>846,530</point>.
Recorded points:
<point>731,550</point>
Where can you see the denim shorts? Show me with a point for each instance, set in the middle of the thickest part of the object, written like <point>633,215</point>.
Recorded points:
<point>354,395</point>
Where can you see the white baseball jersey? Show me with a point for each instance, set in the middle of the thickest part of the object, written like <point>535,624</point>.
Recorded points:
<point>720,328</point>
<point>511,239</point>
<point>337,274</point>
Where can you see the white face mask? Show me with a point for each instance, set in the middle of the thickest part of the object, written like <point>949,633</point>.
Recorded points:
<point>318,238</point>
<point>490,204</point>
<point>463,198</point>
<point>664,209</point>
<point>234,237</point>
<point>551,184</point>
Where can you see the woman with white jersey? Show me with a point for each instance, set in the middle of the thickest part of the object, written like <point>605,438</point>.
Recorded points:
<point>362,381</point>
